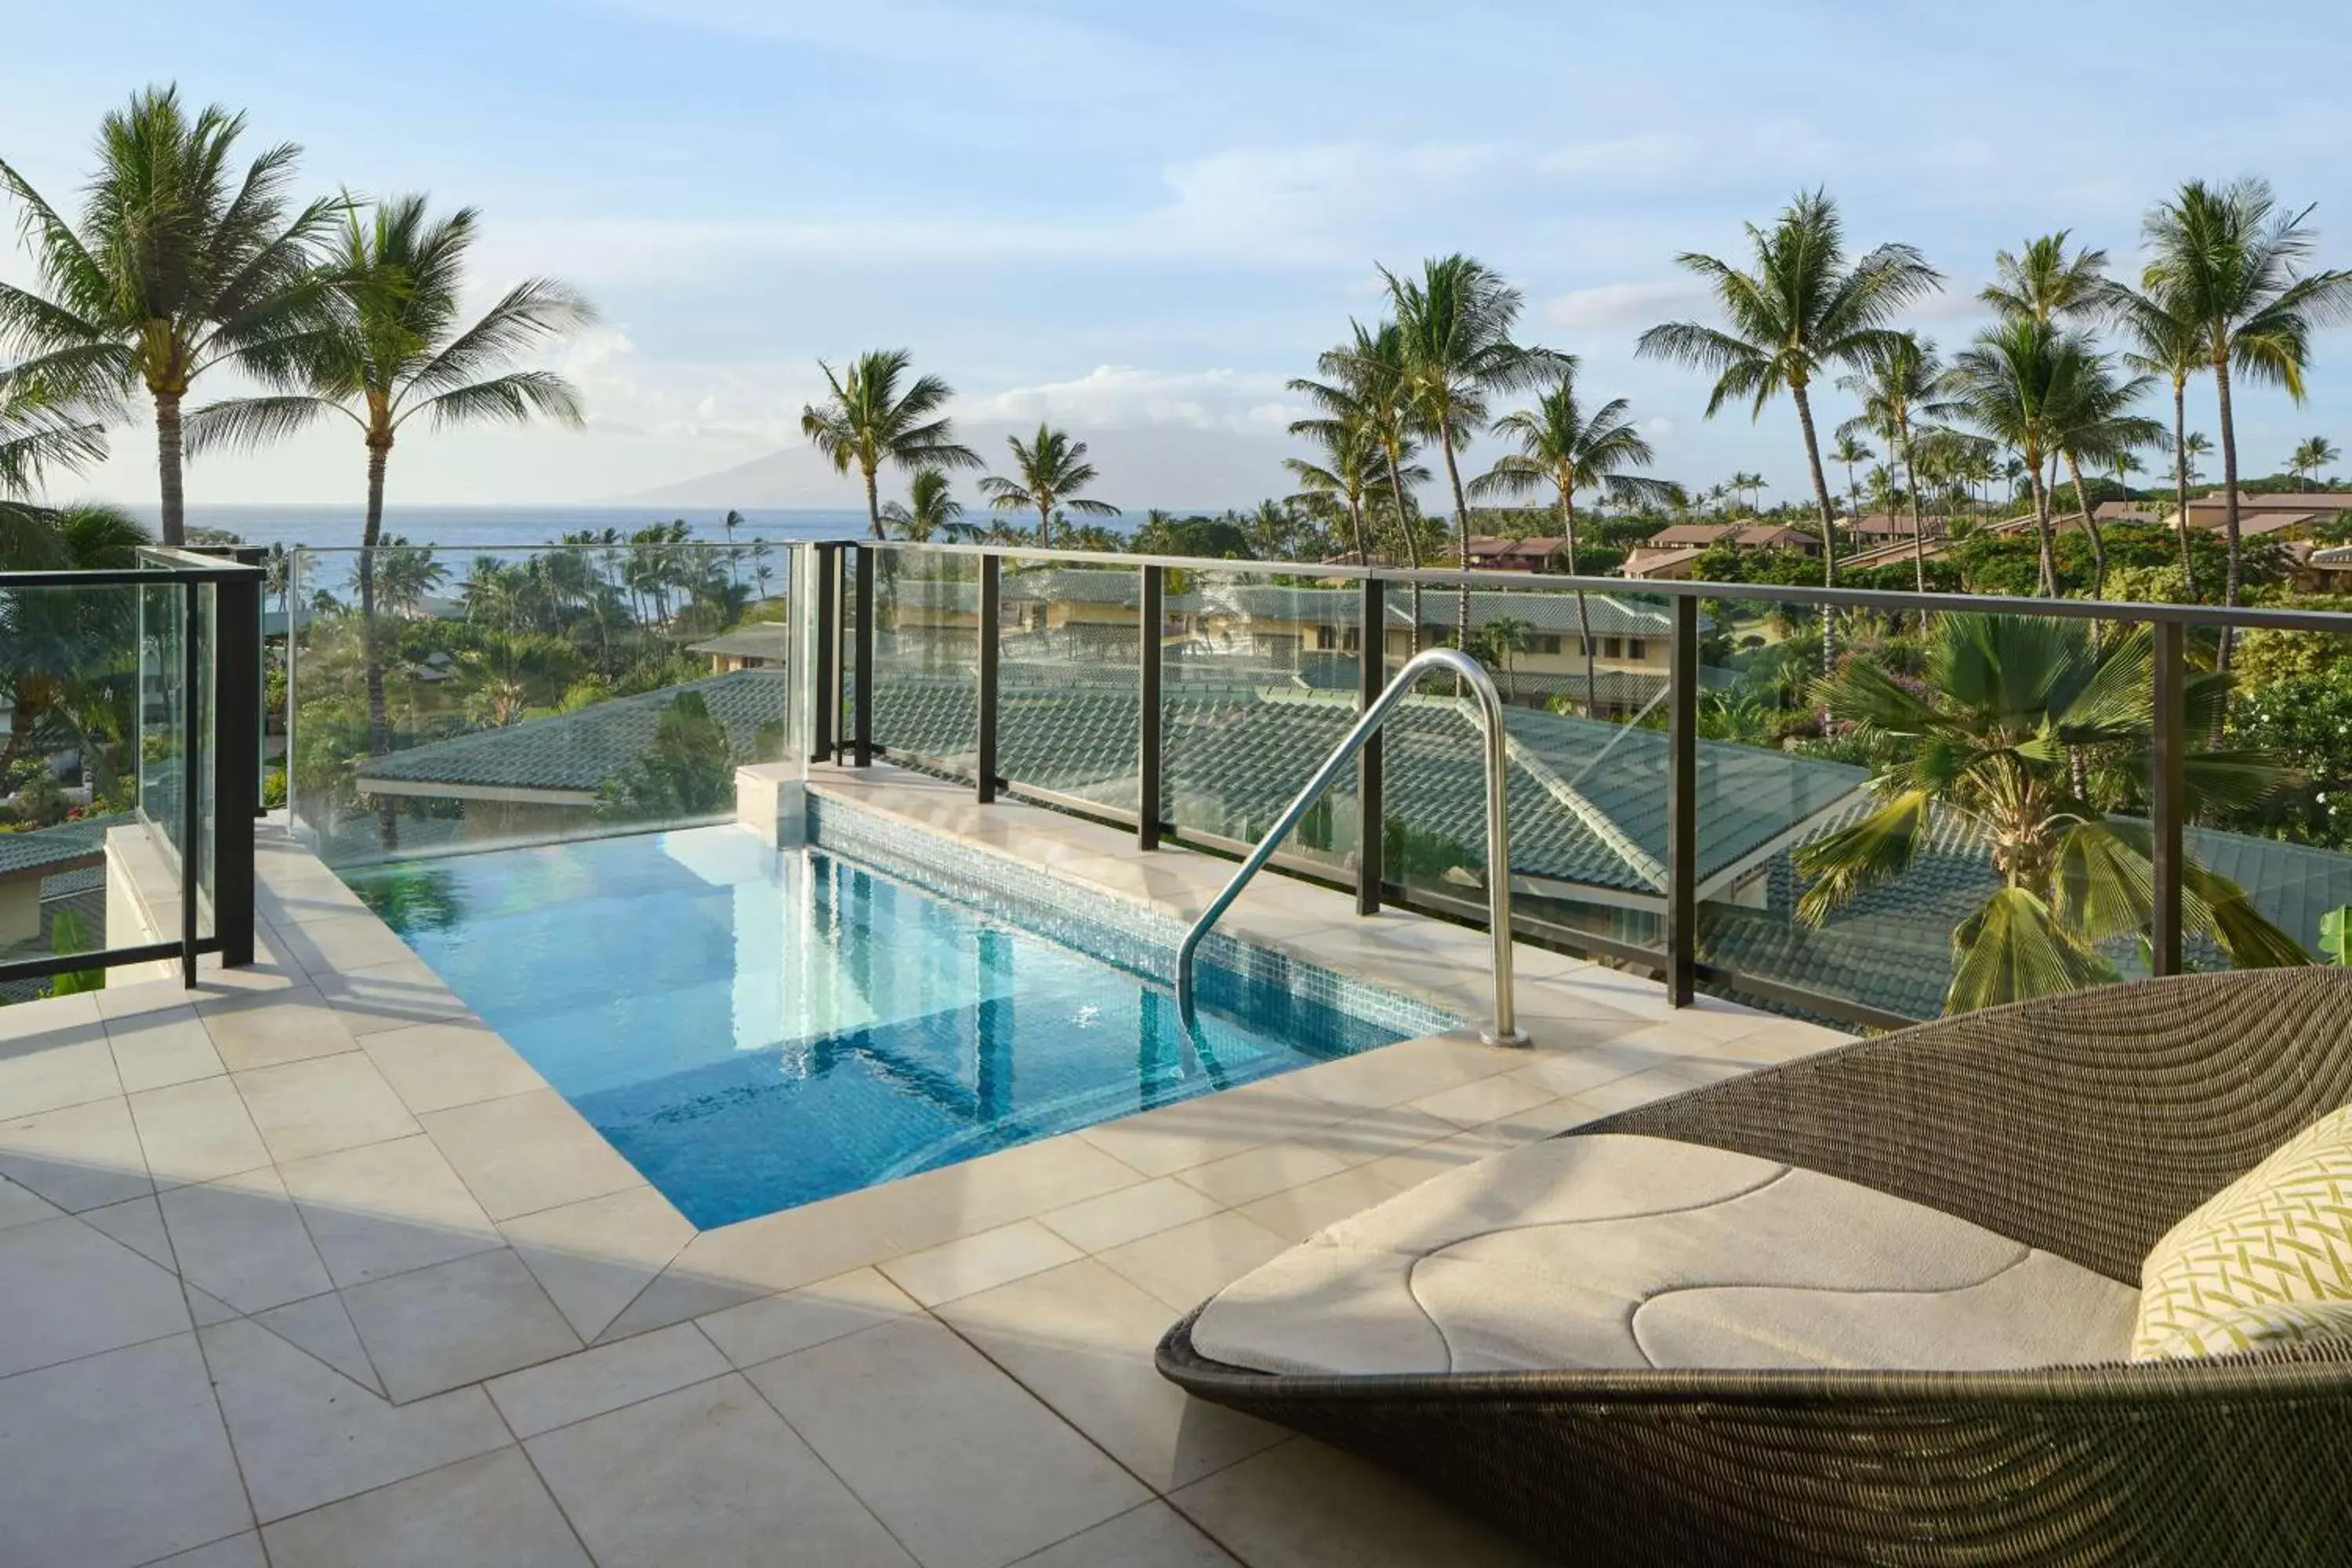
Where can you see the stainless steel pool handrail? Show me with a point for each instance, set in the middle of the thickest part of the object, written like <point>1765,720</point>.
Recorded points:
<point>1506,1031</point>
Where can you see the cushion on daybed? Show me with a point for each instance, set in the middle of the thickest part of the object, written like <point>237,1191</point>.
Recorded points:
<point>1613,1251</point>
<point>2265,1261</point>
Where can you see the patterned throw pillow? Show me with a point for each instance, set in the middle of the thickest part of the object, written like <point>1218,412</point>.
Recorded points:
<point>2265,1261</point>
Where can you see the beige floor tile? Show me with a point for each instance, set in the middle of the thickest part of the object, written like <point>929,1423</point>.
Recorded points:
<point>830,1309</point>
<point>1081,1339</point>
<point>1128,1214</point>
<point>1303,1505</point>
<point>66,1291</point>
<point>1659,1083</point>
<point>1397,1074</point>
<point>394,995</point>
<point>240,1239</point>
<point>114,1460</point>
<point>344,941</point>
<point>1299,1211</point>
<point>1575,1071</point>
<point>157,1050</point>
<point>321,1327</point>
<point>996,1189</point>
<point>386,1208</point>
<point>432,1066</point>
<point>137,1225</point>
<point>1243,1178</point>
<point>1152,1536</point>
<point>962,1464</point>
<point>306,1435</point>
<point>46,1016</point>
<point>1196,1131</point>
<point>1186,1265</point>
<point>196,1131</point>
<point>266,1030</point>
<point>20,1204</point>
<point>706,1476</point>
<point>242,1551</point>
<point>439,1328</point>
<point>206,1309</point>
<point>1483,1100</point>
<point>594,1258</point>
<point>66,1064</point>
<point>293,897</point>
<point>1375,1134</point>
<point>542,1398</point>
<point>527,1153</point>
<point>980,1262</point>
<point>490,1510</point>
<point>319,1106</point>
<point>762,1257</point>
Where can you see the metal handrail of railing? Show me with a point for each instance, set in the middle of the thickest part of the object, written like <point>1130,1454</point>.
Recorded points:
<point>1506,1030</point>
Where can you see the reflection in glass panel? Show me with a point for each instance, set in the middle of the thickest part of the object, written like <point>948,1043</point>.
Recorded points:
<point>1067,683</point>
<point>926,658</point>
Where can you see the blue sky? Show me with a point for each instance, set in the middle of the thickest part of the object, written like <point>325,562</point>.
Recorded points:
<point>1139,220</point>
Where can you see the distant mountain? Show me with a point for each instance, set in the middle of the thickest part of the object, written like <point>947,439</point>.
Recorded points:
<point>1173,467</point>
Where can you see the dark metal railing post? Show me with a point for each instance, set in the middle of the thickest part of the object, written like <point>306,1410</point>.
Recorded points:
<point>2167,799</point>
<point>192,762</point>
<point>1147,722</point>
<point>862,679</point>
<point>1682,807</point>
<point>237,766</point>
<point>1371,672</point>
<point>991,598</point>
<point>828,645</point>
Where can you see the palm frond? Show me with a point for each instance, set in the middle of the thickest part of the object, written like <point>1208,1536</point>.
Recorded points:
<point>2014,948</point>
<point>1842,866</point>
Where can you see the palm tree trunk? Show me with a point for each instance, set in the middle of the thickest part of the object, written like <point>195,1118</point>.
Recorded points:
<point>1462,531</point>
<point>2041,525</point>
<point>1356,524</point>
<point>1412,559</point>
<point>1918,533</point>
<point>1044,528</point>
<point>2235,580</point>
<point>387,814</point>
<point>1829,524</point>
<point>873,504</point>
<point>2091,531</point>
<point>2180,480</point>
<point>168,448</point>
<point>1583,619</point>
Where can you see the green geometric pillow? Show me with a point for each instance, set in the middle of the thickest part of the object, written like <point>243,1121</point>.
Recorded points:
<point>2266,1260</point>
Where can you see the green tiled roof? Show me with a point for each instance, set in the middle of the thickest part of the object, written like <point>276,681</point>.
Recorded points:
<point>40,848</point>
<point>576,753</point>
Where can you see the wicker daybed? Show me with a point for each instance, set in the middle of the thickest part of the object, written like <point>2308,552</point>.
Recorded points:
<point>2082,1127</point>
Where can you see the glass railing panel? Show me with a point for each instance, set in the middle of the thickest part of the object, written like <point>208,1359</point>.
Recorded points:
<point>1258,674</point>
<point>926,659</point>
<point>1068,681</point>
<point>523,696</point>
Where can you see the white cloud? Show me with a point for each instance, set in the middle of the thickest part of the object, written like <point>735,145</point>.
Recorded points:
<point>1125,396</point>
<point>1626,304</point>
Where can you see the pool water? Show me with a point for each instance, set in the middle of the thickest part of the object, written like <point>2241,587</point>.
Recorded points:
<point>755,1028</point>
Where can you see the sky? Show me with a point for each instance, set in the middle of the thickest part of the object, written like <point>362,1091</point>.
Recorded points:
<point>1141,220</point>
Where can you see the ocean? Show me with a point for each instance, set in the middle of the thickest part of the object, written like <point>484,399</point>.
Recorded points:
<point>517,528</point>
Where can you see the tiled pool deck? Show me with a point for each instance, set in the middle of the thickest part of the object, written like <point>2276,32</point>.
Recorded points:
<point>307,1267</point>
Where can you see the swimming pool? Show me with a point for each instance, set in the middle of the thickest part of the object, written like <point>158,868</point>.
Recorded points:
<point>756,1028</point>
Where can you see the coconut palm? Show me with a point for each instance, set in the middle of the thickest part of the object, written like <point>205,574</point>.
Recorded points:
<point>1898,388</point>
<point>1851,452</point>
<point>2045,283</point>
<point>2230,260</point>
<point>1986,736</point>
<point>1453,324</point>
<point>388,345</point>
<point>1743,483</point>
<point>2096,426</point>
<point>1355,469</point>
<point>1564,448</point>
<point>867,422</point>
<point>929,511</point>
<point>1506,637</point>
<point>41,433</point>
<point>2172,348</point>
<point>179,265</point>
<point>2312,455</point>
<point>2016,384</point>
<point>1799,312</point>
<point>1051,470</point>
<point>1367,383</point>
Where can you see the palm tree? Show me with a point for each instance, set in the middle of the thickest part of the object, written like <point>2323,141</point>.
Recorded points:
<point>2197,445</point>
<point>2173,348</point>
<point>1801,310</point>
<point>1565,449</point>
<point>1051,470</point>
<point>2312,455</point>
<point>1368,384</point>
<point>1851,452</point>
<point>1453,325</point>
<point>2230,260</point>
<point>1986,736</point>
<point>390,345</point>
<point>931,510</point>
<point>2015,383</point>
<point>2094,426</point>
<point>1350,469</point>
<point>179,266</point>
<point>1506,635</point>
<point>1741,483</point>
<point>1897,385</point>
<point>2044,283</point>
<point>867,423</point>
<point>39,432</point>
